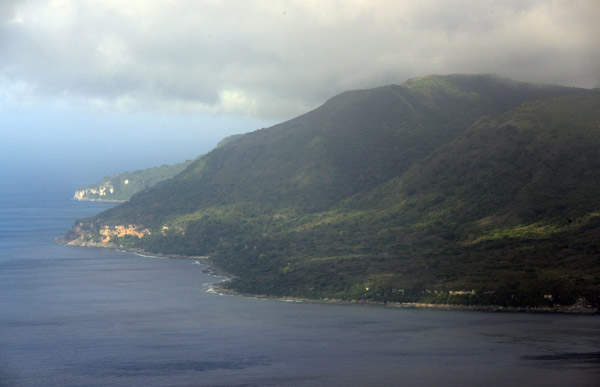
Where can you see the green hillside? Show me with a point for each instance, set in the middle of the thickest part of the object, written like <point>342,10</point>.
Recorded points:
<point>123,186</point>
<point>354,142</point>
<point>447,189</point>
<point>509,210</point>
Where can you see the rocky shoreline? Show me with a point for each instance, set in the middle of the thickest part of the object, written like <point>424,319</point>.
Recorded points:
<point>580,307</point>
<point>204,259</point>
<point>100,200</point>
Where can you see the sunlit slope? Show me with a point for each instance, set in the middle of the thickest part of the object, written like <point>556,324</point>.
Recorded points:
<point>510,210</point>
<point>421,191</point>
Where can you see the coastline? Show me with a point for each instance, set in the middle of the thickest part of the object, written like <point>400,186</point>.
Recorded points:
<point>204,259</point>
<point>577,308</point>
<point>211,268</point>
<point>580,307</point>
<point>100,200</point>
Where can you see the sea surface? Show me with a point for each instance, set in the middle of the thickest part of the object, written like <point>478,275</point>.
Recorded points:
<point>74,316</point>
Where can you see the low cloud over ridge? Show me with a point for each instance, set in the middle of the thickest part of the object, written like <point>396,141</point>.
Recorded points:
<point>276,59</point>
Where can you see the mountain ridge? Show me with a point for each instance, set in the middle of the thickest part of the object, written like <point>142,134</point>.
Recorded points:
<point>323,174</point>
<point>353,201</point>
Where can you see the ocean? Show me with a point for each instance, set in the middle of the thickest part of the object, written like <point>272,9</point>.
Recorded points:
<point>74,316</point>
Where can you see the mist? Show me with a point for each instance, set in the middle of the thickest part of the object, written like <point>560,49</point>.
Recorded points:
<point>95,87</point>
<point>75,149</point>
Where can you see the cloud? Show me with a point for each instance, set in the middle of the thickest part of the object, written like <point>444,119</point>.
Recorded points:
<point>275,59</point>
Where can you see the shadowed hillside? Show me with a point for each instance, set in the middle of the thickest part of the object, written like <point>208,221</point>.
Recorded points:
<point>460,189</point>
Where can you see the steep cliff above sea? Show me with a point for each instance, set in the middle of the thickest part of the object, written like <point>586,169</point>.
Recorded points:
<point>123,186</point>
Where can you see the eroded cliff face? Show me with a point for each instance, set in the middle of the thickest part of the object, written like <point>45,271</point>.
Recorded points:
<point>96,235</point>
<point>101,192</point>
<point>109,232</point>
<point>121,187</point>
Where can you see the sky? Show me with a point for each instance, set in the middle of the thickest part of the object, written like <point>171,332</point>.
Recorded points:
<point>90,88</point>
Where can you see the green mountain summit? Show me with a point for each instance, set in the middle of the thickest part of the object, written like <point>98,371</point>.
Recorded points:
<point>468,189</point>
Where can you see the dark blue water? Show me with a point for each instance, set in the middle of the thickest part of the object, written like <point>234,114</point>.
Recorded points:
<point>72,316</point>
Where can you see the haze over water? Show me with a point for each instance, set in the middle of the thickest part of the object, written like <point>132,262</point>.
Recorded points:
<point>74,316</point>
<point>94,88</point>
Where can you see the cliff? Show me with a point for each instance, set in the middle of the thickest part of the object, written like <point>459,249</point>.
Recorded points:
<point>123,186</point>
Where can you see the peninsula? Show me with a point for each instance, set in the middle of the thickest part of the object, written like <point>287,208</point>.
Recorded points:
<point>458,189</point>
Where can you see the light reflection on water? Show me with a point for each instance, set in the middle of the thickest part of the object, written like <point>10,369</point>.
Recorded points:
<point>84,316</point>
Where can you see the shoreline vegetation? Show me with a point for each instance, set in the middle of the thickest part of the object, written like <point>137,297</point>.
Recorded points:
<point>580,307</point>
<point>99,200</point>
<point>458,189</point>
<point>121,187</point>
